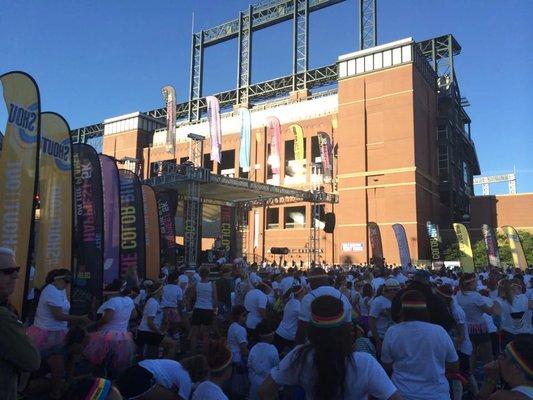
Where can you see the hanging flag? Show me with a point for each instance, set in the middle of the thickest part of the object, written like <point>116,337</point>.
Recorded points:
<point>54,239</point>
<point>169,94</point>
<point>166,208</point>
<point>110,186</point>
<point>151,233</point>
<point>18,172</point>
<point>246,129</point>
<point>227,230</point>
<point>435,242</point>
<point>326,154</point>
<point>403,245</point>
<point>132,246</point>
<point>519,258</point>
<point>215,131</point>
<point>88,229</point>
<point>274,135</point>
<point>467,257</point>
<point>299,151</point>
<point>374,236</point>
<point>491,244</point>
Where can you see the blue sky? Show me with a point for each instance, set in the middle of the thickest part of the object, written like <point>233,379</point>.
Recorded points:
<point>98,59</point>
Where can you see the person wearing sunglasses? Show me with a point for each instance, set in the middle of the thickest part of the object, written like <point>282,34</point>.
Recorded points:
<point>17,354</point>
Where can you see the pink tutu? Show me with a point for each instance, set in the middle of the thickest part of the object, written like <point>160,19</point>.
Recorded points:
<point>118,347</point>
<point>46,340</point>
<point>171,315</point>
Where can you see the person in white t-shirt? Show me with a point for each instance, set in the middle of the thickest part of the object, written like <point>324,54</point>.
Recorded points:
<point>171,301</point>
<point>379,315</point>
<point>419,353</point>
<point>286,332</point>
<point>327,367</point>
<point>219,359</point>
<point>255,303</point>
<point>155,380</point>
<point>205,309</point>
<point>112,342</point>
<point>237,339</point>
<point>262,358</point>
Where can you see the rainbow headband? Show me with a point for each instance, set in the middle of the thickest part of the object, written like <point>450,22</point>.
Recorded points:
<point>518,359</point>
<point>414,305</point>
<point>328,322</point>
<point>99,390</point>
<point>225,365</point>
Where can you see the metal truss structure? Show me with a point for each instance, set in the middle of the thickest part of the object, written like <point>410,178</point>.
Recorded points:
<point>485,182</point>
<point>368,24</point>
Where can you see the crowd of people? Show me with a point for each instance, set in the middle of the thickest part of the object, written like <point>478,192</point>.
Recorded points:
<point>247,331</point>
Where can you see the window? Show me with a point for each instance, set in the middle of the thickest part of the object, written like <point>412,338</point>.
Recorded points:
<point>272,218</point>
<point>243,174</point>
<point>315,149</point>
<point>227,163</point>
<point>208,164</point>
<point>294,217</point>
<point>183,160</point>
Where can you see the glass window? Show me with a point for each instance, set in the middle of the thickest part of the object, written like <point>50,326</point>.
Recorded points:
<point>294,217</point>
<point>272,218</point>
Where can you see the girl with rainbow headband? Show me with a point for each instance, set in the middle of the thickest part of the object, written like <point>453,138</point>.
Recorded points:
<point>89,388</point>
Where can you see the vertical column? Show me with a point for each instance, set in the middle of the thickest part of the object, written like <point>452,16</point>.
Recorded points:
<point>367,24</point>
<point>197,66</point>
<point>301,44</point>
<point>244,54</point>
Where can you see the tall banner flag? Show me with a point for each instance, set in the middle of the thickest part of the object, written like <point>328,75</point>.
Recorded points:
<point>375,244</point>
<point>326,153</point>
<point>151,233</point>
<point>435,242</point>
<point>18,171</point>
<point>299,152</point>
<point>403,245</point>
<point>166,208</point>
<point>132,242</point>
<point>491,244</point>
<point>54,238</point>
<point>215,130</point>
<point>519,258</point>
<point>110,185</point>
<point>246,130</point>
<point>274,135</point>
<point>88,229</point>
<point>169,94</point>
<point>227,230</point>
<point>467,256</point>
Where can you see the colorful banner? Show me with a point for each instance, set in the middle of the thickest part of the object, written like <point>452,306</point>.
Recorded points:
<point>227,230</point>
<point>246,130</point>
<point>54,239</point>
<point>467,256</point>
<point>110,186</point>
<point>18,172</point>
<point>169,94</point>
<point>215,130</point>
<point>326,154</point>
<point>374,236</point>
<point>519,258</point>
<point>491,244</point>
<point>132,242</point>
<point>88,229</point>
<point>151,233</point>
<point>435,241</point>
<point>274,135</point>
<point>166,208</point>
<point>403,245</point>
<point>299,150</point>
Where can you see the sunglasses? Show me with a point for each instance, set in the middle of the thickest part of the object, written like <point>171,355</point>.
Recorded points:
<point>10,271</point>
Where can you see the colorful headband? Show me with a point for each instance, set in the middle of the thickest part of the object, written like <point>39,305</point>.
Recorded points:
<point>413,304</point>
<point>518,359</point>
<point>225,365</point>
<point>328,322</point>
<point>99,390</point>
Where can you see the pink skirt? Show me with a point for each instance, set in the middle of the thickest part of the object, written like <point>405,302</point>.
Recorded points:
<point>46,340</point>
<point>118,347</point>
<point>171,315</point>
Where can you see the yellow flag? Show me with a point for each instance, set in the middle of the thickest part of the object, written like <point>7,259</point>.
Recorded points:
<point>18,165</point>
<point>519,258</point>
<point>467,259</point>
<point>298,142</point>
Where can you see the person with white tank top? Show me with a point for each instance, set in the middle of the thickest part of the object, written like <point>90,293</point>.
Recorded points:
<point>204,309</point>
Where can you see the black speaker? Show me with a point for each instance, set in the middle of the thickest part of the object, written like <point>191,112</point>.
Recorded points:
<point>329,219</point>
<point>279,250</point>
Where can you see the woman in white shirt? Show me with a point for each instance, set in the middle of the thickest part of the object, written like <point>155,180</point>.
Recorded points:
<point>112,343</point>
<point>327,367</point>
<point>204,310</point>
<point>220,368</point>
<point>171,305</point>
<point>286,332</point>
<point>419,353</point>
<point>262,358</point>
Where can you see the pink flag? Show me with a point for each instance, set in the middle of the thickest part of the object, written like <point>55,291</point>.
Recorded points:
<point>274,133</point>
<point>213,116</point>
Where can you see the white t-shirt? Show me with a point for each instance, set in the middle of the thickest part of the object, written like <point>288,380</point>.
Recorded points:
<point>122,307</point>
<point>236,336</point>
<point>255,279</point>
<point>305,306</point>
<point>253,301</point>
<point>419,352</point>
<point>171,375</point>
<point>262,358</point>
<point>286,283</point>
<point>515,325</point>
<point>208,390</point>
<point>289,324</point>
<point>364,376</point>
<point>204,296</point>
<point>140,298</point>
<point>183,281</point>
<point>364,305</point>
<point>380,308</point>
<point>377,282</point>
<point>51,297</point>
<point>460,319</point>
<point>471,303</point>
<point>171,295</point>
<point>151,309</point>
